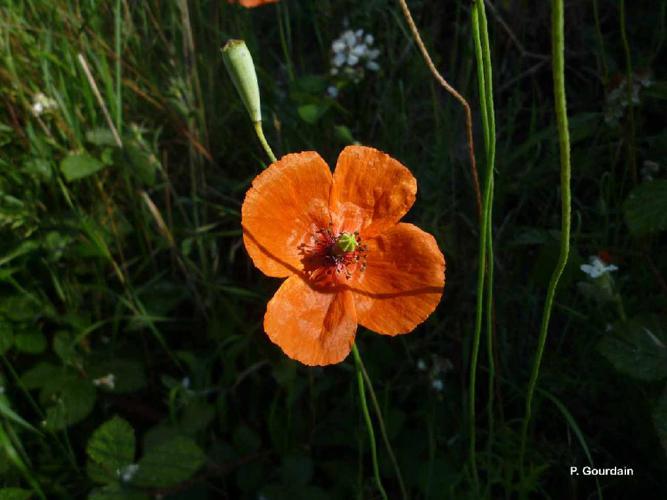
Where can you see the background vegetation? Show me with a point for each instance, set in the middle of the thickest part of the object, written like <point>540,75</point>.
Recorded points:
<point>122,255</point>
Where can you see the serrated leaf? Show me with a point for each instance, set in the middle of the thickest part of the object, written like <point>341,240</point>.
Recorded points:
<point>646,208</point>
<point>110,449</point>
<point>169,463</point>
<point>638,348</point>
<point>71,402</point>
<point>78,166</point>
<point>660,419</point>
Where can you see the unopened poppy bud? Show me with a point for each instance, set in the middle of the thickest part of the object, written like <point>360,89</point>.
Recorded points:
<point>347,242</point>
<point>241,69</point>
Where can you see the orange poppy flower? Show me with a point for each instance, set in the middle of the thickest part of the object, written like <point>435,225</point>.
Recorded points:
<point>347,258</point>
<point>252,3</point>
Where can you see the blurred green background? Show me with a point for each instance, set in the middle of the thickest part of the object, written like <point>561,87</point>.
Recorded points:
<point>134,364</point>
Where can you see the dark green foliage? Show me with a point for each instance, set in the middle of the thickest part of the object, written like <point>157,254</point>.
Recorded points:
<point>132,355</point>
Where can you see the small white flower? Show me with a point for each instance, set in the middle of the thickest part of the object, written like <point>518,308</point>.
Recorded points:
<point>352,53</point>
<point>332,91</point>
<point>597,267</point>
<point>339,59</point>
<point>438,385</point>
<point>338,46</point>
<point>421,365</point>
<point>127,473</point>
<point>108,381</point>
<point>349,38</point>
<point>185,383</point>
<point>42,104</point>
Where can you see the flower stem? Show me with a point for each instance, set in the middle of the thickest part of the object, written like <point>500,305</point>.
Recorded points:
<point>485,82</point>
<point>262,139</point>
<point>558,69</point>
<point>367,417</point>
<point>383,429</point>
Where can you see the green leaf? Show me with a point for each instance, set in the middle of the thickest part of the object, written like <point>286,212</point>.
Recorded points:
<point>78,166</point>
<point>660,419</point>
<point>63,346</point>
<point>101,136</point>
<point>169,463</point>
<point>311,113</point>
<point>638,348</point>
<point>116,492</point>
<point>15,494</point>
<point>646,208</point>
<point>71,401</point>
<point>40,374</point>
<point>143,162</point>
<point>33,342</point>
<point>110,449</point>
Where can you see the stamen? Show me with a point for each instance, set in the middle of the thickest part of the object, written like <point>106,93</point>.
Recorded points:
<point>331,255</point>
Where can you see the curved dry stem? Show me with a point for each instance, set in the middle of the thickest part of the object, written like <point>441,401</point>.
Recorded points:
<point>455,94</point>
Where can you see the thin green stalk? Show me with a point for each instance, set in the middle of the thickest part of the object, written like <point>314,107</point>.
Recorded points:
<point>260,135</point>
<point>560,104</point>
<point>488,212</point>
<point>383,430</point>
<point>485,81</point>
<point>367,417</point>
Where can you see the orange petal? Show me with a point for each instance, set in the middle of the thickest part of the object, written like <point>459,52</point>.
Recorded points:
<point>312,327</point>
<point>371,191</point>
<point>286,204</point>
<point>403,280</point>
<point>253,3</point>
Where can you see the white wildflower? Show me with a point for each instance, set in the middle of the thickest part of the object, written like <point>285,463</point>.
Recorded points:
<point>108,381</point>
<point>421,365</point>
<point>353,53</point>
<point>127,473</point>
<point>42,104</point>
<point>597,267</point>
<point>438,385</point>
<point>332,91</point>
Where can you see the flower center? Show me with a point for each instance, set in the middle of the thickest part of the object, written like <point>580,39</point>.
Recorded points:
<point>331,255</point>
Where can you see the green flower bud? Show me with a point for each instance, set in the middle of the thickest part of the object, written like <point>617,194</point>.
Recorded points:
<point>241,69</point>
